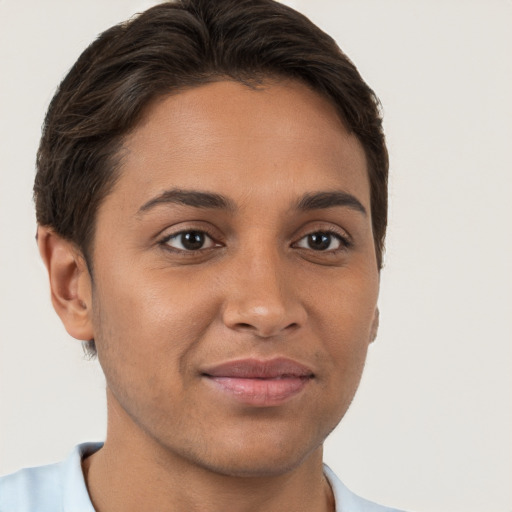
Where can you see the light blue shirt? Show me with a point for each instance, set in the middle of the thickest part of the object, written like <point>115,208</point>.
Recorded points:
<point>61,488</point>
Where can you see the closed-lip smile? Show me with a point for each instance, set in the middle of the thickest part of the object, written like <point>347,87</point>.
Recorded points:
<point>260,383</point>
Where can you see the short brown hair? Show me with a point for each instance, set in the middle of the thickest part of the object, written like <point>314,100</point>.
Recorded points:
<point>170,47</point>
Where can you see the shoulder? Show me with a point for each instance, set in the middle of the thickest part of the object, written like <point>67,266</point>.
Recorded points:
<point>32,489</point>
<point>347,501</point>
<point>56,487</point>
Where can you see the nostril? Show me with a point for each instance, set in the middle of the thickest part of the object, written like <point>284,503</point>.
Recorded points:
<point>265,332</point>
<point>263,321</point>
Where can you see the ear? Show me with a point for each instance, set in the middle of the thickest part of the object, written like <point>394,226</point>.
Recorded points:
<point>375,325</point>
<point>70,282</point>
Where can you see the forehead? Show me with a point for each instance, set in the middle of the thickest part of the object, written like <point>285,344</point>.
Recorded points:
<point>272,139</point>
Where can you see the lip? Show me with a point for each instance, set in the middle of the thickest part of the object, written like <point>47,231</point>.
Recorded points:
<point>259,383</point>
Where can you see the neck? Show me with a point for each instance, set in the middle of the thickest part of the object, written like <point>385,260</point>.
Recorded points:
<point>132,472</point>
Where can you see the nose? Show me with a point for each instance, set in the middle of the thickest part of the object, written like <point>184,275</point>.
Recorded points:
<point>261,299</point>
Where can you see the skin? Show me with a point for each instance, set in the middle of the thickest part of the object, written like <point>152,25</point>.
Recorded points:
<point>258,288</point>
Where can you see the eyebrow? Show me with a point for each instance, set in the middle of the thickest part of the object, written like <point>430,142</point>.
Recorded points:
<point>321,200</point>
<point>198,199</point>
<point>193,198</point>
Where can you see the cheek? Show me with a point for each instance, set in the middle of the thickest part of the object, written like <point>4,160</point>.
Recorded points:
<point>146,335</point>
<point>347,304</point>
<point>345,327</point>
<point>143,321</point>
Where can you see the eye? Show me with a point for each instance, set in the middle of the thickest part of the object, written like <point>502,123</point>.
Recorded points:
<point>189,241</point>
<point>322,241</point>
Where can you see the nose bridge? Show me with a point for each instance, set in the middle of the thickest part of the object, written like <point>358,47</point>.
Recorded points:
<point>261,296</point>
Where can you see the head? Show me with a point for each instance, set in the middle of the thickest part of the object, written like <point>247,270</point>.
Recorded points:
<point>170,48</point>
<point>180,79</point>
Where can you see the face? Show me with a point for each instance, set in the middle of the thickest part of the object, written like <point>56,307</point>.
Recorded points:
<point>235,278</point>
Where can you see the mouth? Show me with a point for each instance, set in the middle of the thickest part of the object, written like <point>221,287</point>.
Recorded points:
<point>260,383</point>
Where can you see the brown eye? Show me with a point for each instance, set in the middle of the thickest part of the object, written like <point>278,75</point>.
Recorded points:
<point>321,241</point>
<point>190,241</point>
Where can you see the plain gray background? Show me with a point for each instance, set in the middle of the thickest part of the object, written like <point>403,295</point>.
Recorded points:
<point>430,427</point>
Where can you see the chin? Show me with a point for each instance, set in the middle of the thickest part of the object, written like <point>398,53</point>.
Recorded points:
<point>257,457</point>
<point>249,467</point>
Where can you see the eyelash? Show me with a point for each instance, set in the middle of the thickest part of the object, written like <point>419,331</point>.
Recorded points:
<point>344,240</point>
<point>165,241</point>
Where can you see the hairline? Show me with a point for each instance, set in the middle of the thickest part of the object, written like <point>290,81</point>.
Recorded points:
<point>255,81</point>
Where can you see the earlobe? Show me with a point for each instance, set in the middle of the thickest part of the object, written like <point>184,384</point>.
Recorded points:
<point>70,282</point>
<point>375,325</point>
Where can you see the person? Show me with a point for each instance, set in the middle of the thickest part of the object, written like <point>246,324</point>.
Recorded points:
<point>211,198</point>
